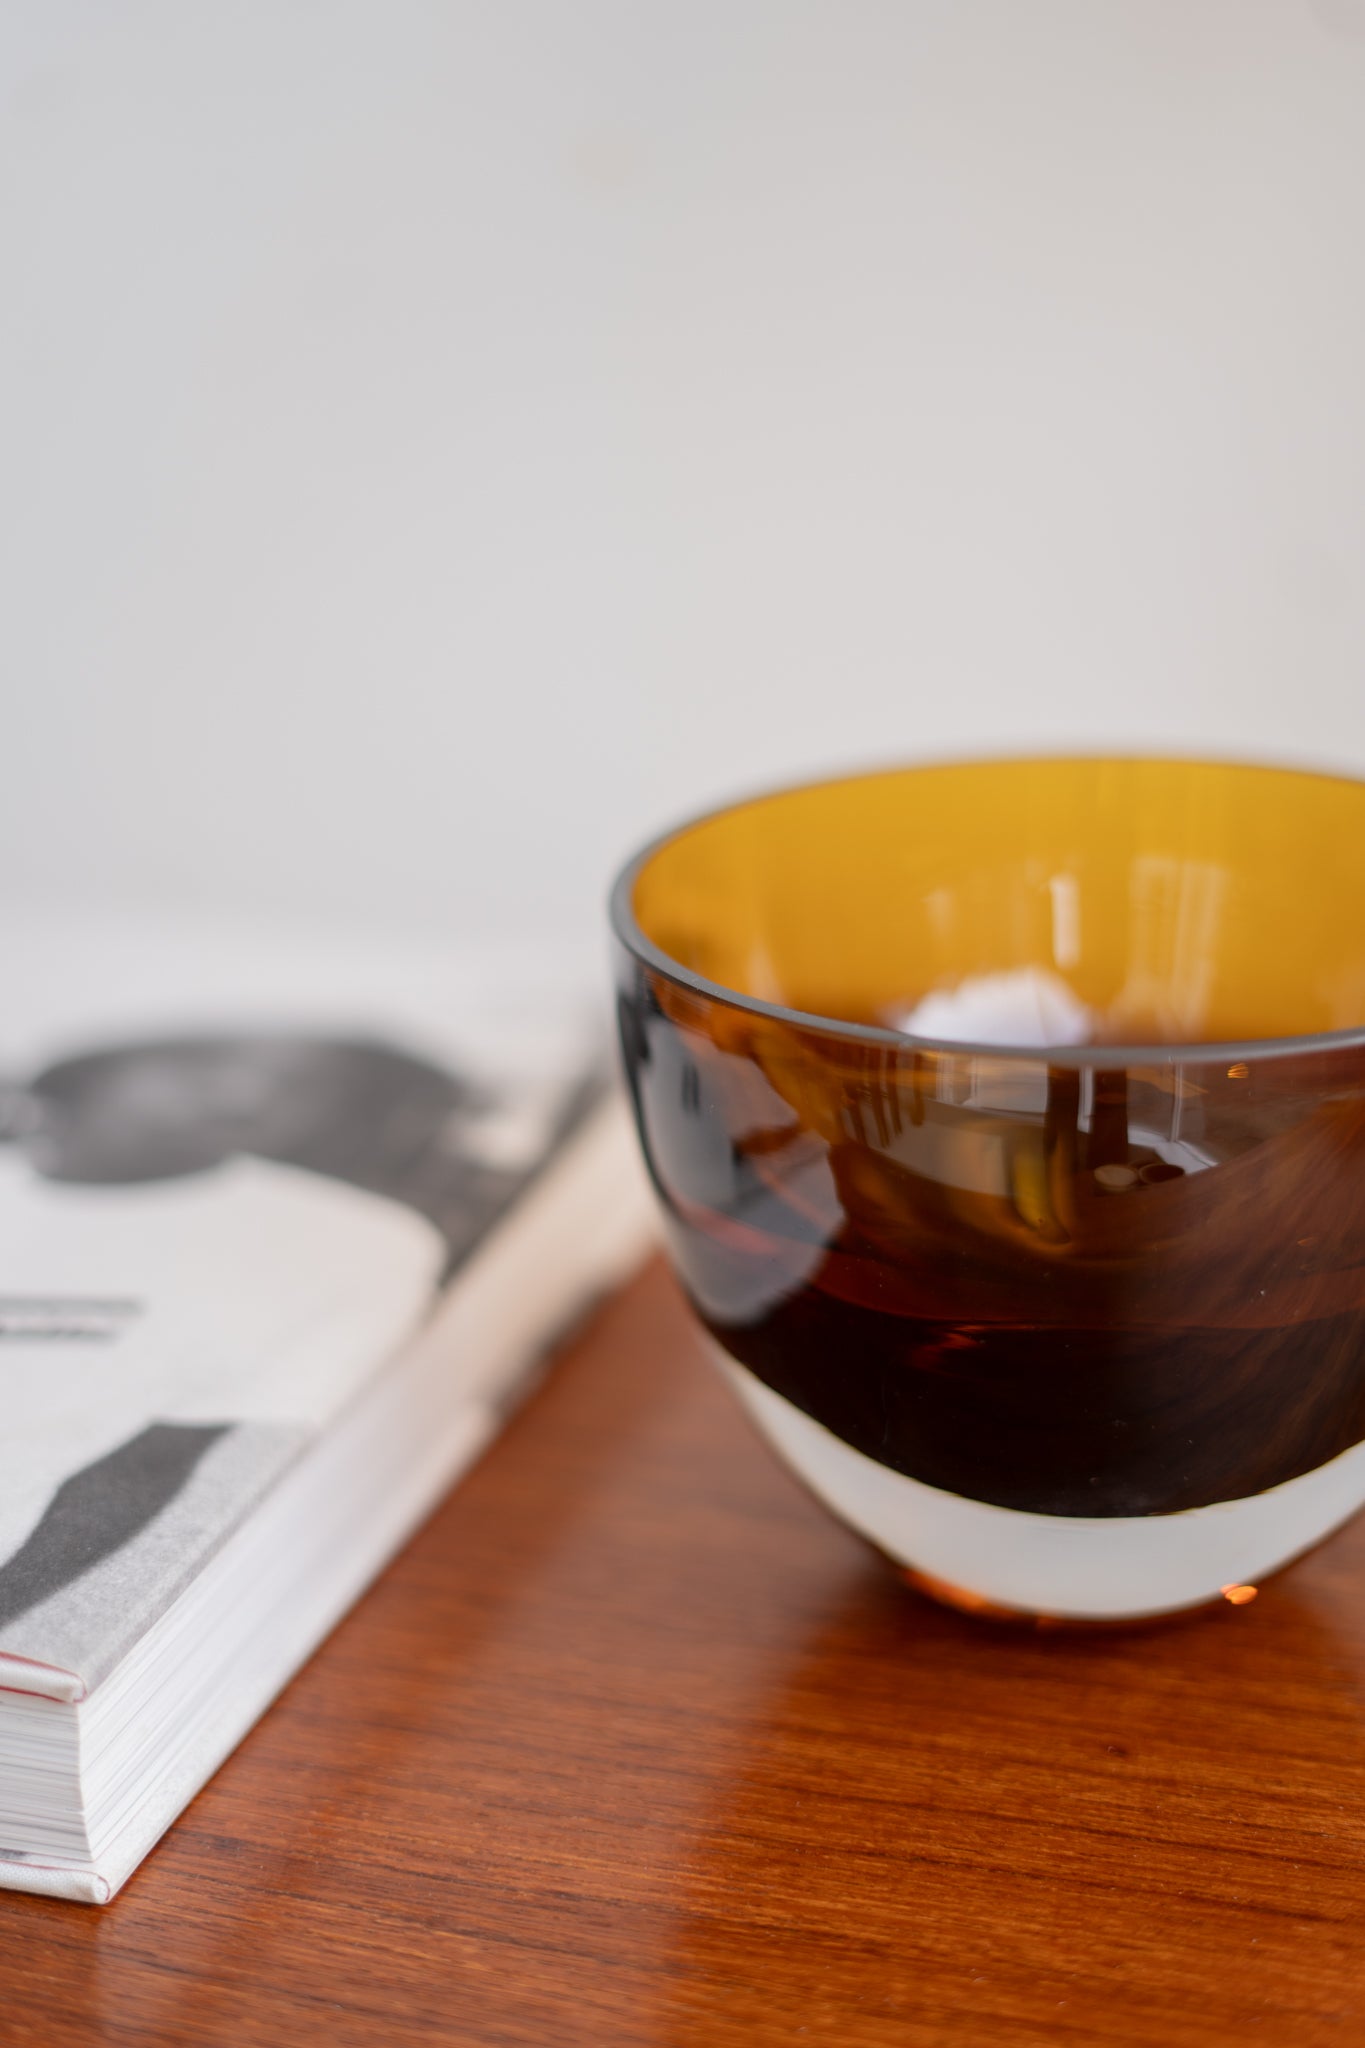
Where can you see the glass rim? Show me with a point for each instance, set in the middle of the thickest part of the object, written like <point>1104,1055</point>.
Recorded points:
<point>627,929</point>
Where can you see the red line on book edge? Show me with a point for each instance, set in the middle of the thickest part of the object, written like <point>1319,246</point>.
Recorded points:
<point>57,1671</point>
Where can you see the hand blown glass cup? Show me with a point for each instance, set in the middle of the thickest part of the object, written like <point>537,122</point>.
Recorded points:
<point>1008,1121</point>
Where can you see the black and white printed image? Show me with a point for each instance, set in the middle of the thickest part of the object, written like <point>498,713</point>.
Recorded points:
<point>362,1112</point>
<point>208,1240</point>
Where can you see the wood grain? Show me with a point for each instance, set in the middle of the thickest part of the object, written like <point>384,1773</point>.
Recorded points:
<point>635,1745</point>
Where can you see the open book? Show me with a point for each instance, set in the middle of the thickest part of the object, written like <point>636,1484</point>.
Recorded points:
<point>283,1232</point>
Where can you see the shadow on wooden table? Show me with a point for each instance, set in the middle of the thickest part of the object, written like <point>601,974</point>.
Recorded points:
<point>950,1829</point>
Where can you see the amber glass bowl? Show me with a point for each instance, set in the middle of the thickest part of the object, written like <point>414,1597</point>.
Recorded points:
<point>1008,1121</point>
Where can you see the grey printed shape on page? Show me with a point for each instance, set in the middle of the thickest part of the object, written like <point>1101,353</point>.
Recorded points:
<point>100,1508</point>
<point>89,1623</point>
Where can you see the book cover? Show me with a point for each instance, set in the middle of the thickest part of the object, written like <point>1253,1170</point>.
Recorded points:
<point>237,1172</point>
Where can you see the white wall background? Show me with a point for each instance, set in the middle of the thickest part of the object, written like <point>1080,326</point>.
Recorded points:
<point>441,440</point>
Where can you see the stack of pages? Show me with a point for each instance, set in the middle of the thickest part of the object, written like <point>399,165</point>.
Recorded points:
<point>284,1230</point>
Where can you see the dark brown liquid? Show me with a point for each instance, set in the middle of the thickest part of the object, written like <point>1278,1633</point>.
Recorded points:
<point>1116,1333</point>
<point>1066,1421</point>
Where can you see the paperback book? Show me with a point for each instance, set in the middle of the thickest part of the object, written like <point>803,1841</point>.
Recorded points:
<point>285,1229</point>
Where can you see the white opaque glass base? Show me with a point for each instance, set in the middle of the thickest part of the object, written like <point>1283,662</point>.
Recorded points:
<point>1093,1568</point>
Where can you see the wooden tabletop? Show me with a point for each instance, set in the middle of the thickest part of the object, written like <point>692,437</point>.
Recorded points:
<point>635,1745</point>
